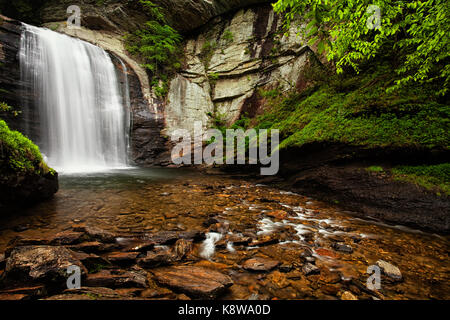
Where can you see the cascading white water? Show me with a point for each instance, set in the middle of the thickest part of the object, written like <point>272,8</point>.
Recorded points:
<point>83,115</point>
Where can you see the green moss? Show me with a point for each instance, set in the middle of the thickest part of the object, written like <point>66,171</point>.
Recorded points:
<point>431,177</point>
<point>19,154</point>
<point>375,169</point>
<point>207,52</point>
<point>356,110</point>
<point>228,36</point>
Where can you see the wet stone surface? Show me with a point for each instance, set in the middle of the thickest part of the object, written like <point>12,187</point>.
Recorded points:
<point>184,235</point>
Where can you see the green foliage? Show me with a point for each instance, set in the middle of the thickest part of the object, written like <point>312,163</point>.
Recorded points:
<point>19,154</point>
<point>428,176</point>
<point>23,10</point>
<point>158,45</point>
<point>416,32</point>
<point>375,169</point>
<point>228,36</point>
<point>357,110</point>
<point>207,52</point>
<point>4,107</point>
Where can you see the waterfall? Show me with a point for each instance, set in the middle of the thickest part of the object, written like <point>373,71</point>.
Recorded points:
<point>84,118</point>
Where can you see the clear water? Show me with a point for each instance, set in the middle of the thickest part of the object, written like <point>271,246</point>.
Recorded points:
<point>84,118</point>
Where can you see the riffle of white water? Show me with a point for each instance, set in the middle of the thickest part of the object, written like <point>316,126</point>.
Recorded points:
<point>83,114</point>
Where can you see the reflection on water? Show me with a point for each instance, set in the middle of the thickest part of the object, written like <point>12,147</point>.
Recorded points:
<point>120,178</point>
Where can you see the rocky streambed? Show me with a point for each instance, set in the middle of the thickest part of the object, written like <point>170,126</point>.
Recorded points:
<point>176,234</point>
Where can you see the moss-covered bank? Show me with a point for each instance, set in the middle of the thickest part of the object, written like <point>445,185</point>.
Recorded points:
<point>24,176</point>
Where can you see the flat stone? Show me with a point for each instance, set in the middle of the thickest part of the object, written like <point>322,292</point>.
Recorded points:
<point>309,269</point>
<point>264,241</point>
<point>278,214</point>
<point>122,257</point>
<point>194,281</point>
<point>342,247</point>
<point>158,257</point>
<point>390,270</point>
<point>67,237</point>
<point>260,264</point>
<point>20,242</point>
<point>93,247</point>
<point>12,297</point>
<point>182,248</point>
<point>116,279</point>
<point>90,293</point>
<point>41,263</point>
<point>90,260</point>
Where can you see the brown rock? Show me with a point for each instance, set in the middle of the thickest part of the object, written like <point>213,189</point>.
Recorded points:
<point>116,279</point>
<point>2,261</point>
<point>194,281</point>
<point>157,293</point>
<point>90,260</point>
<point>67,237</point>
<point>278,214</point>
<point>264,241</point>
<point>346,295</point>
<point>41,263</point>
<point>36,291</point>
<point>20,242</point>
<point>122,257</point>
<point>170,237</point>
<point>182,248</point>
<point>93,293</point>
<point>309,269</point>
<point>158,257</point>
<point>11,297</point>
<point>260,264</point>
<point>93,247</point>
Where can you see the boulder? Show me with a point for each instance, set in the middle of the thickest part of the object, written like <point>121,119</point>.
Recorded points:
<point>45,264</point>
<point>195,282</point>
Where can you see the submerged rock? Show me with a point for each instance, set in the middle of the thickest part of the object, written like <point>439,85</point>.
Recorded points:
<point>94,233</point>
<point>342,247</point>
<point>158,257</point>
<point>122,257</point>
<point>67,237</point>
<point>390,270</point>
<point>196,282</point>
<point>260,264</point>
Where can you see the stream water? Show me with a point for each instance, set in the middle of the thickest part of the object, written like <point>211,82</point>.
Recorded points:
<point>136,202</point>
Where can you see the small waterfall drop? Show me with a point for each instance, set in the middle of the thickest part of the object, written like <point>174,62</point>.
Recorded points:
<point>84,118</point>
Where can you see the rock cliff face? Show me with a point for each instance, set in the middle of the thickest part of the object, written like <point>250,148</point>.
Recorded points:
<point>231,54</point>
<point>228,62</point>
